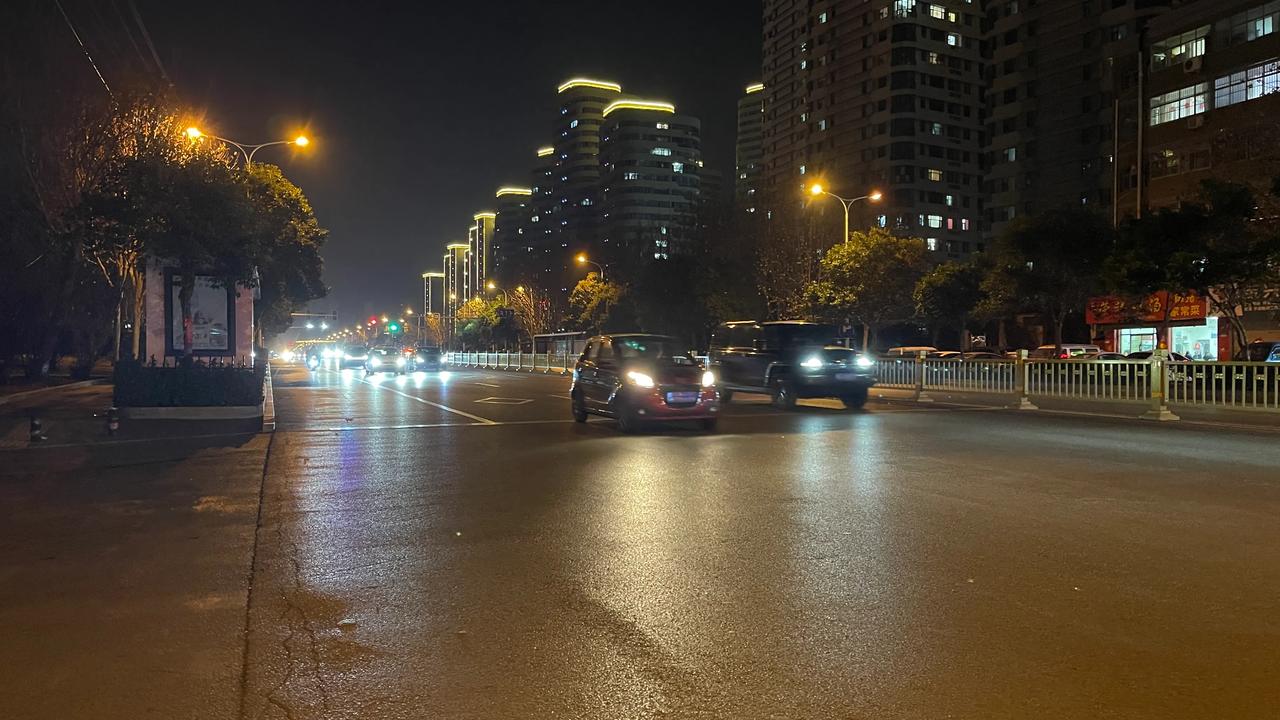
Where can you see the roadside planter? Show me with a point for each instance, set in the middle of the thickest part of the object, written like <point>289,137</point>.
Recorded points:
<point>191,393</point>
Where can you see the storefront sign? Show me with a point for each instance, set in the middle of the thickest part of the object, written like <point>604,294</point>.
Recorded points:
<point>1156,308</point>
<point>212,325</point>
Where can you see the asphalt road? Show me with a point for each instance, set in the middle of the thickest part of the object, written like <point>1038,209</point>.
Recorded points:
<point>459,548</point>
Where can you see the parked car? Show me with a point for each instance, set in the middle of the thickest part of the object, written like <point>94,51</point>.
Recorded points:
<point>637,378</point>
<point>1263,351</point>
<point>1104,356</point>
<point>1067,351</point>
<point>353,356</point>
<point>788,360</point>
<point>983,355</point>
<point>385,359</point>
<point>1146,355</point>
<point>425,357</point>
<point>910,351</point>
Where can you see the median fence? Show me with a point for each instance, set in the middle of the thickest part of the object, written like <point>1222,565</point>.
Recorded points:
<point>547,362</point>
<point>1159,383</point>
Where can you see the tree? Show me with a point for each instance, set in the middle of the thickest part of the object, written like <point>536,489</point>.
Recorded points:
<point>947,295</point>
<point>290,238</point>
<point>869,279</point>
<point>1216,246</point>
<point>595,302</point>
<point>786,255</point>
<point>475,321</point>
<point>532,307</point>
<point>1051,263</point>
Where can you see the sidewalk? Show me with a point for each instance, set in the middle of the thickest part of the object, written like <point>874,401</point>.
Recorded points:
<point>1218,417</point>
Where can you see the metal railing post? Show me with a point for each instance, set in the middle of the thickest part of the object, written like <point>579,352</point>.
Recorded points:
<point>921,395</point>
<point>1023,371</point>
<point>1158,382</point>
<point>547,369</point>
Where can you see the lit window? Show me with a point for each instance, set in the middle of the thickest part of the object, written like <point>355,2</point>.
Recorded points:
<point>934,174</point>
<point>804,64</point>
<point>932,244</point>
<point>1179,48</point>
<point>677,167</point>
<point>882,220</point>
<point>902,8</point>
<point>964,224</point>
<point>535,218</point>
<point>933,58</point>
<point>937,12</point>
<point>663,126</point>
<point>803,169</point>
<point>665,152</point>
<point>1180,103</point>
<point>933,221</point>
<point>950,200</point>
<point>822,18</point>
<point>804,117</point>
<point>630,176</point>
<point>935,128</point>
<point>585,201</point>
<point>573,123</point>
<point>1010,154</point>
<point>1253,23</point>
<point>822,124</point>
<point>1248,84</point>
<point>953,39</point>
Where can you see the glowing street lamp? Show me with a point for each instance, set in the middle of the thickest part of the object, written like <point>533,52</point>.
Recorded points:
<point>248,151</point>
<point>874,196</point>
<point>582,260</point>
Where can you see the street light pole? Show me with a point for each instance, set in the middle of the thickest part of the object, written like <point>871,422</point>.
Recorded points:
<point>582,259</point>
<point>846,203</point>
<point>248,151</point>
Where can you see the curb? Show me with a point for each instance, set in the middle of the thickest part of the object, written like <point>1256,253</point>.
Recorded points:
<point>268,402</point>
<point>25,393</point>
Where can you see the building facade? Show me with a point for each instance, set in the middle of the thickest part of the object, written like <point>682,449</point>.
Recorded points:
<point>879,96</point>
<point>480,240</point>
<point>511,249</point>
<point>650,160</point>
<point>748,151</point>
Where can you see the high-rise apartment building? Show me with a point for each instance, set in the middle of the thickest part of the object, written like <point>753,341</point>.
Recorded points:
<point>576,178</point>
<point>650,160</point>
<point>456,286</point>
<point>1057,109</point>
<point>512,252</point>
<point>1209,103</point>
<point>887,96</point>
<point>480,240</point>
<point>748,152</point>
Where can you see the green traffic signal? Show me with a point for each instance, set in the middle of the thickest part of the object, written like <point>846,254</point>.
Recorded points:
<point>393,327</point>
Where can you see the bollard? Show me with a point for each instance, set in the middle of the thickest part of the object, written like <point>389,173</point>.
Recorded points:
<point>921,395</point>
<point>37,429</point>
<point>1024,383</point>
<point>1158,381</point>
<point>113,420</point>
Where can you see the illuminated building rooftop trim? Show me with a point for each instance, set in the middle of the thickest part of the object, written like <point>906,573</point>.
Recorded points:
<point>589,83</point>
<point>654,105</point>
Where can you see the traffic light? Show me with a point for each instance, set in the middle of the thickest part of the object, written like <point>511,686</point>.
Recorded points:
<point>393,327</point>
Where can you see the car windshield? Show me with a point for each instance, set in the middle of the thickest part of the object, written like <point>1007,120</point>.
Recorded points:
<point>428,348</point>
<point>355,350</point>
<point>801,334</point>
<point>384,351</point>
<point>651,347</point>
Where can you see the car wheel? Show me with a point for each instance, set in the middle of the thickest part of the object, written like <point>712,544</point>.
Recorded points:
<point>627,421</point>
<point>710,424</point>
<point>784,396</point>
<point>726,396</point>
<point>578,408</point>
<point>855,399</point>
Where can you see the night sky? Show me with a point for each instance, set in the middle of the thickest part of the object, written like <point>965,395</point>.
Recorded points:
<point>420,110</point>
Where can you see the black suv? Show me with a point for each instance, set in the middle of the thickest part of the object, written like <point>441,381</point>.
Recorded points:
<point>788,360</point>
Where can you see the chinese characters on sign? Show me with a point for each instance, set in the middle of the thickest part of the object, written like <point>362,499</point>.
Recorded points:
<point>1154,309</point>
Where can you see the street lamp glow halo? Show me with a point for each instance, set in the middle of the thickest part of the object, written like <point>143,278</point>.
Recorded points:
<point>817,189</point>
<point>302,141</point>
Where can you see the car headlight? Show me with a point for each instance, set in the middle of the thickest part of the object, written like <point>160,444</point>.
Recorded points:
<point>400,362</point>
<point>864,362</point>
<point>419,358</point>
<point>347,356</point>
<point>287,356</point>
<point>708,379</point>
<point>640,379</point>
<point>812,363</point>
<point>375,362</point>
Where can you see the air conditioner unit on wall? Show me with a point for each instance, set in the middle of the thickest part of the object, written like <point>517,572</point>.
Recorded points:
<point>1195,121</point>
<point>1192,65</point>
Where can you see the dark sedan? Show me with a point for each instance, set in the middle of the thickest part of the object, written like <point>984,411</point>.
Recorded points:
<point>642,378</point>
<point>353,356</point>
<point>425,357</point>
<point>385,359</point>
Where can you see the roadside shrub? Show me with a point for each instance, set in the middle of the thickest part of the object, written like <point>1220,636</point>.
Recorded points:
<point>140,386</point>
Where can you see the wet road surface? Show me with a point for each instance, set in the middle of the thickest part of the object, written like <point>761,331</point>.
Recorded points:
<point>458,548</point>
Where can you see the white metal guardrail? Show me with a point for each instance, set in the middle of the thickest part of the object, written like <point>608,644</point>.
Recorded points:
<point>1236,385</point>
<point>547,362</point>
<point>1157,382</point>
